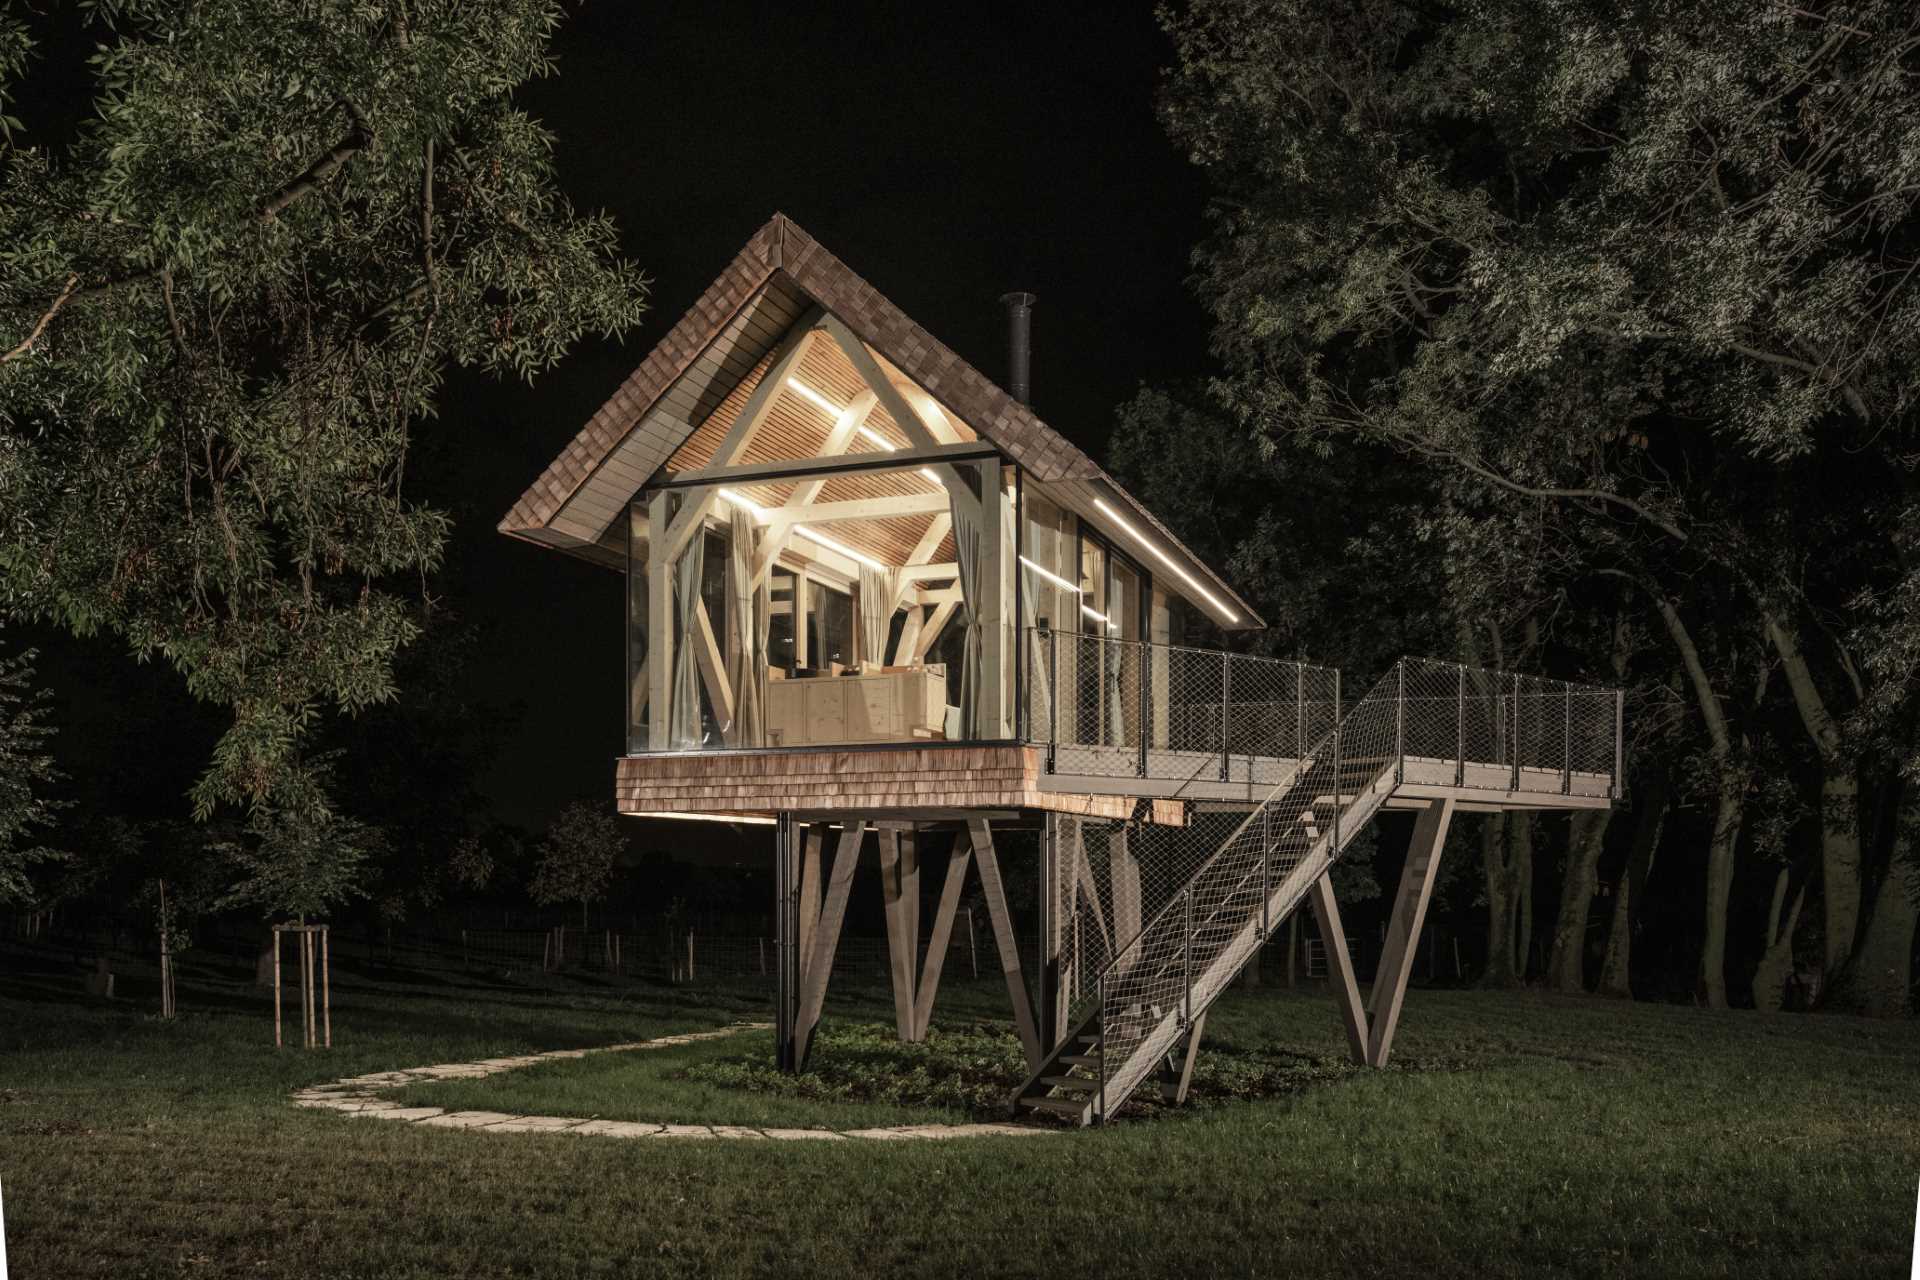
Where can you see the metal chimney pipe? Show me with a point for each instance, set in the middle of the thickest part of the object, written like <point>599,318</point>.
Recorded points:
<point>1019,344</point>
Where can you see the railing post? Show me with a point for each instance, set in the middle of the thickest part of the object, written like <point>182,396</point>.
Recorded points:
<point>1299,711</point>
<point>1266,866</point>
<point>1337,724</point>
<point>1566,747</point>
<point>1186,961</point>
<point>1619,736</point>
<point>1100,987</point>
<point>1400,722</point>
<point>1146,706</point>
<point>1053,697</point>
<point>1226,700</point>
<point>1460,731</point>
<point>1516,735</point>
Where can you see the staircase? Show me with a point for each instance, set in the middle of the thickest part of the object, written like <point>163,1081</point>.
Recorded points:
<point>1155,987</point>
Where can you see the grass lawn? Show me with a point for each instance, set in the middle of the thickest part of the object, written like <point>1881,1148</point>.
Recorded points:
<point>1526,1136</point>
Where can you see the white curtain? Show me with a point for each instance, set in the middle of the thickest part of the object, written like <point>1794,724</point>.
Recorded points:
<point>876,615</point>
<point>747,631</point>
<point>966,551</point>
<point>684,727</point>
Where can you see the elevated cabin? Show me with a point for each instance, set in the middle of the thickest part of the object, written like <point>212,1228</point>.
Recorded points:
<point>870,591</point>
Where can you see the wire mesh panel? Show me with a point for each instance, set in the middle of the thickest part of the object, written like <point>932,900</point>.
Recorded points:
<point>1124,708</point>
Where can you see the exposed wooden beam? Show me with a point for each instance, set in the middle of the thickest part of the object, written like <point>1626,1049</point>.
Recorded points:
<point>893,507</point>
<point>751,473</point>
<point>932,596</point>
<point>851,419</point>
<point>713,667</point>
<point>787,356</point>
<point>929,572</point>
<point>659,628</point>
<point>905,647</point>
<point>931,632</point>
<point>904,415</point>
<point>937,530</point>
<point>942,935</point>
<point>826,938</point>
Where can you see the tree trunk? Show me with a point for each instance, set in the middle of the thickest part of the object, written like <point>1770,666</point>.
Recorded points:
<point>1566,959</point>
<point>1728,811</point>
<point>1616,971</point>
<point>1879,982</point>
<point>1840,880</point>
<point>1493,858</point>
<point>1776,963</point>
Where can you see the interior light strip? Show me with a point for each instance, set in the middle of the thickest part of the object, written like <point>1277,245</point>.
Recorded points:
<point>1052,577</point>
<point>801,531</point>
<point>866,432</point>
<point>1166,559</point>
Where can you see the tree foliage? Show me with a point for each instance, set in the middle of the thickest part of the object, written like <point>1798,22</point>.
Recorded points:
<point>28,774</point>
<point>577,857</point>
<point>225,310</point>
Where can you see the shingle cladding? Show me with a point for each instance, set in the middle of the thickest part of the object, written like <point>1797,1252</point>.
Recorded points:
<point>782,249</point>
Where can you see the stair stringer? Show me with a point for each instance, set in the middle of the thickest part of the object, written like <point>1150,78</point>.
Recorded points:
<point>1124,1079</point>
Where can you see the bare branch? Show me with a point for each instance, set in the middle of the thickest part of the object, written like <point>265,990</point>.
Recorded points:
<point>26,343</point>
<point>358,138</point>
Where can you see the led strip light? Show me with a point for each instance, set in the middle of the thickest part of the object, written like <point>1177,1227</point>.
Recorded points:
<point>1165,559</point>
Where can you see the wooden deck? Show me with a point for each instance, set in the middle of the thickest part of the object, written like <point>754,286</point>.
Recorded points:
<point>935,780</point>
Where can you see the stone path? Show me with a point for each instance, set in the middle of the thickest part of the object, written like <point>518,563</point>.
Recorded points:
<point>359,1096</point>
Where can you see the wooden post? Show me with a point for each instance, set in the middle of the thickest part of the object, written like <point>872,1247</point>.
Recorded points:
<point>1403,932</point>
<point>902,963</point>
<point>942,936</point>
<point>326,990</point>
<point>826,938</point>
<point>689,955</point>
<point>1001,918</point>
<point>276,986</point>
<point>1333,941</point>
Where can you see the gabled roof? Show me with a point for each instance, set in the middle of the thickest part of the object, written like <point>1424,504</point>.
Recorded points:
<point>722,341</point>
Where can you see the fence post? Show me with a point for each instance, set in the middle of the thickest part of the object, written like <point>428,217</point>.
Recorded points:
<point>1515,745</point>
<point>1226,728</point>
<point>1146,705</point>
<point>1101,990</point>
<point>1399,724</point>
<point>1619,736</point>
<point>1186,962</point>
<point>1299,712</point>
<point>1460,730</point>
<point>1337,724</point>
<point>1566,747</point>
<point>1266,864</point>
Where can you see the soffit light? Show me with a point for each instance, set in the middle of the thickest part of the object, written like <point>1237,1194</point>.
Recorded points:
<point>1052,577</point>
<point>1165,559</point>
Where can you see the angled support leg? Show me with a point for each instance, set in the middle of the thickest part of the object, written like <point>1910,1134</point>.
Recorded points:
<point>942,935</point>
<point>1353,1015</point>
<point>1403,930</point>
<point>826,938</point>
<point>1178,1077</point>
<point>996,894</point>
<point>902,902</point>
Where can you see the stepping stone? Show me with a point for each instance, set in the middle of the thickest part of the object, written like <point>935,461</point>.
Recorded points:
<point>617,1129</point>
<point>400,1113</point>
<point>466,1119</point>
<point>536,1124</point>
<point>736,1131</point>
<point>684,1131</point>
<point>801,1134</point>
<point>884,1135</point>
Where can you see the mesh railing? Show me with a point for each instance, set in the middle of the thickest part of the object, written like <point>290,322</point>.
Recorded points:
<point>1127,708</point>
<point>1428,721</point>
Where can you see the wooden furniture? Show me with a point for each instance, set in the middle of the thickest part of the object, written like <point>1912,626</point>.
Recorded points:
<point>887,706</point>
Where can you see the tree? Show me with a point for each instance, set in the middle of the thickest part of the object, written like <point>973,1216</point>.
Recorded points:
<point>577,857</point>
<point>1646,268</point>
<point>228,307</point>
<point>27,774</point>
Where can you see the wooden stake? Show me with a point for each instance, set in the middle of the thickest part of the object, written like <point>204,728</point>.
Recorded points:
<point>276,987</point>
<point>326,991</point>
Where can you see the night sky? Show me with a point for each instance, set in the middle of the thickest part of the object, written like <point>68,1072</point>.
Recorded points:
<point>946,156</point>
